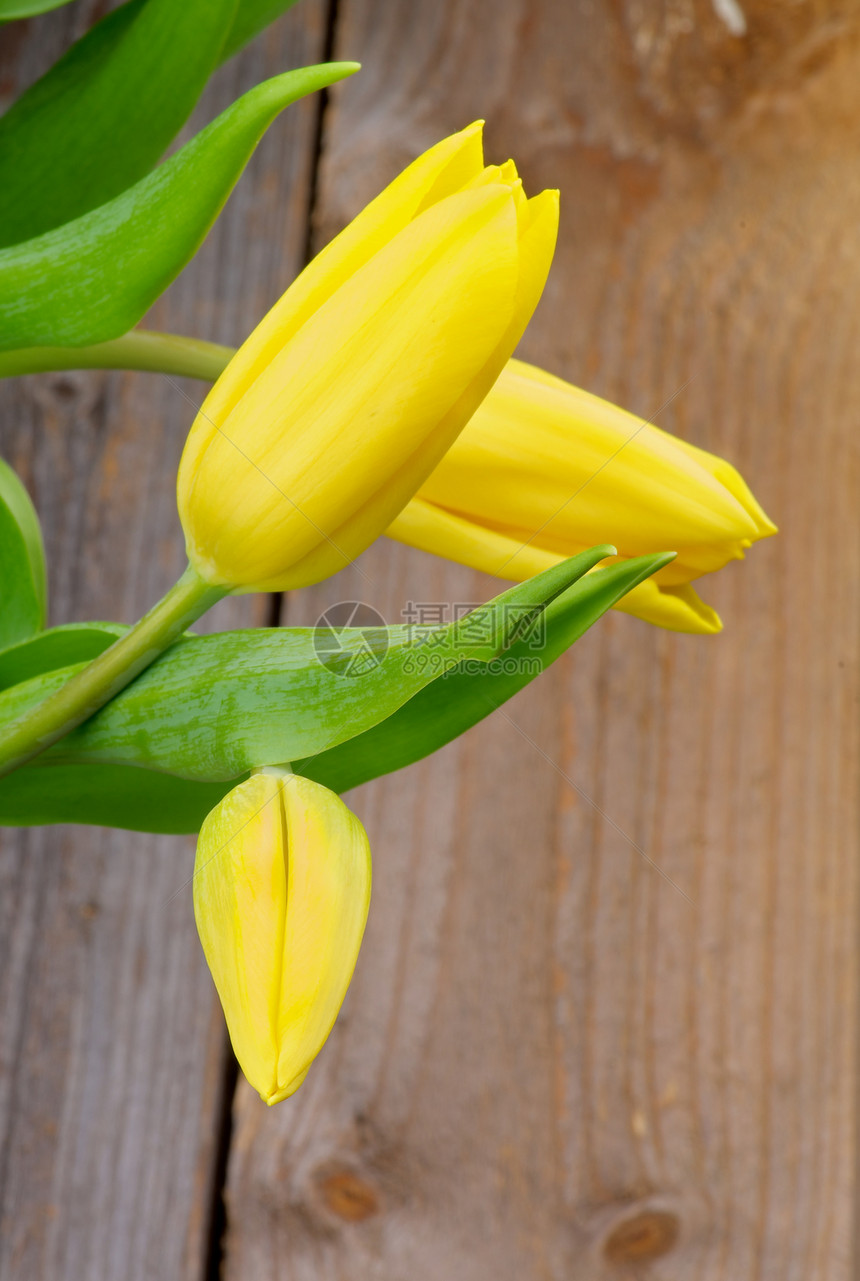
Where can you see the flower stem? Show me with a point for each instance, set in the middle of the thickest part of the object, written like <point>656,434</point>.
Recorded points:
<point>139,349</point>
<point>83,695</point>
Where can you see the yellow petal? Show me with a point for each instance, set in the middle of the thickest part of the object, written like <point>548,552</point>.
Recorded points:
<point>240,895</point>
<point>728,476</point>
<point>328,896</point>
<point>538,231</point>
<point>431,529</point>
<point>537,222</point>
<point>353,397</point>
<point>543,458</point>
<point>439,172</point>
<point>677,609</point>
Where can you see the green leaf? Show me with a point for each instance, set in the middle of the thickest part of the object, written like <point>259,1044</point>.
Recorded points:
<point>143,799</point>
<point>251,17</point>
<point>100,119</point>
<point>58,647</point>
<point>444,710</point>
<point>23,590</point>
<point>106,111</point>
<point>92,279</point>
<point>204,709</point>
<point>12,9</point>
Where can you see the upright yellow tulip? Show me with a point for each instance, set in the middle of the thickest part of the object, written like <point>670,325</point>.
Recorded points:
<point>350,390</point>
<point>544,470</point>
<point>281,893</point>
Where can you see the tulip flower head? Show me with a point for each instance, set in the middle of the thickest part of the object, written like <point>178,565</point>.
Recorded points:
<point>351,389</point>
<point>281,894</point>
<point>544,470</point>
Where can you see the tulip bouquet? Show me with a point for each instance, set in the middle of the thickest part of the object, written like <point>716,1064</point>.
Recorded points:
<point>379,395</point>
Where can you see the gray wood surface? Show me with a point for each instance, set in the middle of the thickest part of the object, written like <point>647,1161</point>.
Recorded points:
<point>554,1062</point>
<point>605,1020</point>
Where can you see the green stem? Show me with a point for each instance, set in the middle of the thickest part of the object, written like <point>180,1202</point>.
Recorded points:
<point>105,676</point>
<point>139,349</point>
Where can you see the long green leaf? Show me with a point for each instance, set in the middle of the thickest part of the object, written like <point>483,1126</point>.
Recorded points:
<point>103,115</point>
<point>446,709</point>
<point>144,799</point>
<point>141,800</point>
<point>58,647</point>
<point>93,278</point>
<point>213,707</point>
<point>12,9</point>
<point>23,589</point>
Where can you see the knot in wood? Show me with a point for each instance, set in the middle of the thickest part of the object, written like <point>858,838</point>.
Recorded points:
<point>347,1195</point>
<point>68,393</point>
<point>645,1235</point>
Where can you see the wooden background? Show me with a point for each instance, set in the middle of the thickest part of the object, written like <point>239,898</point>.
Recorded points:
<point>554,1062</point>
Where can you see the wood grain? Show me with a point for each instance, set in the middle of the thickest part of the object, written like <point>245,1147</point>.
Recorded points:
<point>557,1061</point>
<point>112,1049</point>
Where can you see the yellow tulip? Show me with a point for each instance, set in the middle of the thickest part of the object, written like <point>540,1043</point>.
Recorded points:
<point>350,390</point>
<point>281,893</point>
<point>544,470</point>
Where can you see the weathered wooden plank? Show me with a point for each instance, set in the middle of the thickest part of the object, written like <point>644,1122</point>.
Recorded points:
<point>554,1062</point>
<point>112,1049</point>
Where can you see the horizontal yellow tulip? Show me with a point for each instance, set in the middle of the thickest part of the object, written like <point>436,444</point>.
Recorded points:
<point>281,893</point>
<point>351,389</point>
<point>544,470</point>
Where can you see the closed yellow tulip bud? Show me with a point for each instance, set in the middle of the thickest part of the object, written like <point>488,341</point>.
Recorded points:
<point>544,470</point>
<point>281,893</point>
<point>349,392</point>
